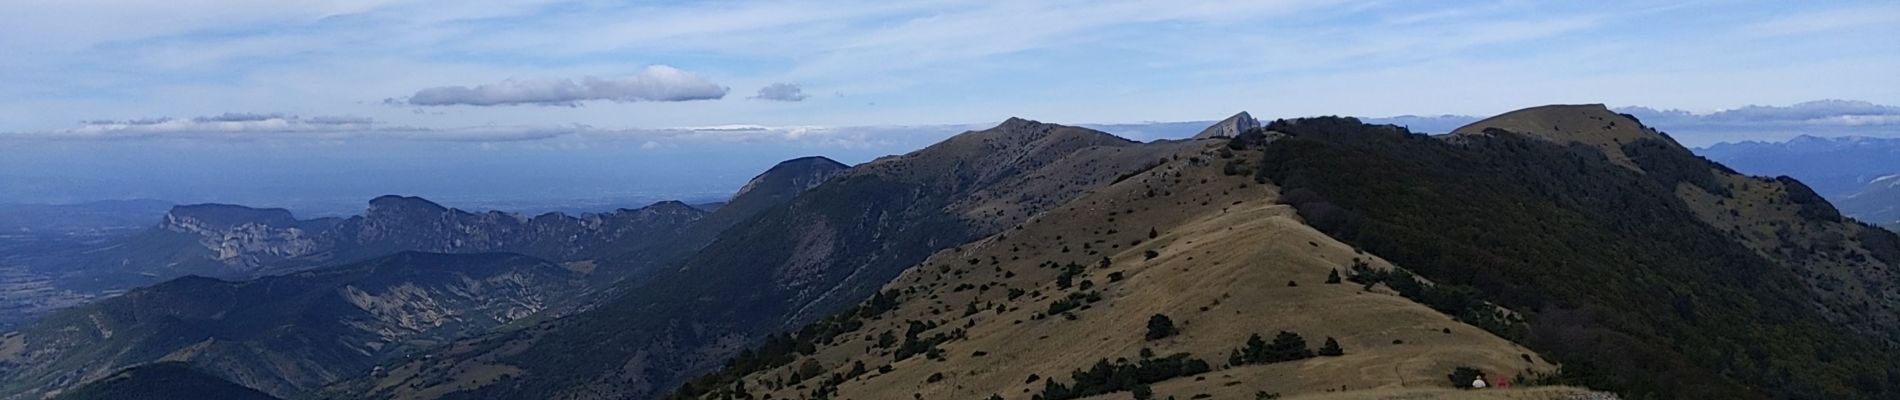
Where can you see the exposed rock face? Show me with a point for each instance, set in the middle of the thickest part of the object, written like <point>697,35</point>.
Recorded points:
<point>408,223</point>
<point>248,242</point>
<point>225,216</point>
<point>236,242</point>
<point>1229,127</point>
<point>242,237</point>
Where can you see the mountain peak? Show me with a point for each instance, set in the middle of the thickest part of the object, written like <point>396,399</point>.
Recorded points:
<point>670,206</point>
<point>1018,122</point>
<point>1564,122</point>
<point>1229,127</point>
<point>1594,125</point>
<point>808,162</point>
<point>790,177</point>
<point>403,205</point>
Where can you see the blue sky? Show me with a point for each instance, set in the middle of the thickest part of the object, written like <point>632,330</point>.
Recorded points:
<point>742,83</point>
<point>929,62</point>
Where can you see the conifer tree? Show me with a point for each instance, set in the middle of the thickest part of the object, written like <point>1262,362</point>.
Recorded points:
<point>1331,348</point>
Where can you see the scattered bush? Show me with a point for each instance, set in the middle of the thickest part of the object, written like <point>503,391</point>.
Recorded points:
<point>1106,377</point>
<point>1160,327</point>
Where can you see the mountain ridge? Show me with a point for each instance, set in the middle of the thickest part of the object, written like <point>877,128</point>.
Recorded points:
<point>824,250</point>
<point>162,381</point>
<point>286,334</point>
<point>1384,189</point>
<point>1190,241</point>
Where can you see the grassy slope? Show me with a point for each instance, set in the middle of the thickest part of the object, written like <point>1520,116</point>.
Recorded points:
<point>830,247</point>
<point>1225,252</point>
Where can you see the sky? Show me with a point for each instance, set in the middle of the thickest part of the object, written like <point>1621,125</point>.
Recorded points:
<point>215,100</point>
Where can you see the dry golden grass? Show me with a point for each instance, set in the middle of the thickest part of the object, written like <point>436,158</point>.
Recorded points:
<point>1533,393</point>
<point>1226,252</point>
<point>1589,124</point>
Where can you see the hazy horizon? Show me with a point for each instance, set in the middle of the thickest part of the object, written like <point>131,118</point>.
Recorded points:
<point>598,171</point>
<point>317,106</point>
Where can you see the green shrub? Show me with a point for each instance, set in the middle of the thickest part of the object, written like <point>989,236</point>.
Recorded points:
<point>1160,327</point>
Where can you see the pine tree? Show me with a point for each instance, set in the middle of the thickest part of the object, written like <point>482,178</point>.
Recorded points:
<point>1332,278</point>
<point>1251,353</point>
<point>1331,348</point>
<point>1287,346</point>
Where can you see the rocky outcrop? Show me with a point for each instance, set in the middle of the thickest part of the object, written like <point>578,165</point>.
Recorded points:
<point>1229,127</point>
<point>247,242</point>
<point>242,238</point>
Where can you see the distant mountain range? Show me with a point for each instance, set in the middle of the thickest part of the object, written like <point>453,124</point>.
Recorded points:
<point>1847,170</point>
<point>1569,247</point>
<point>236,242</point>
<point>290,334</point>
<point>1878,202</point>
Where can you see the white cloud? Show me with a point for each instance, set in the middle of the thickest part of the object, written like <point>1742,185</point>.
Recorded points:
<point>1754,122</point>
<point>1812,114</point>
<point>239,127</point>
<point>222,124</point>
<point>656,83</point>
<point>781,92</point>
